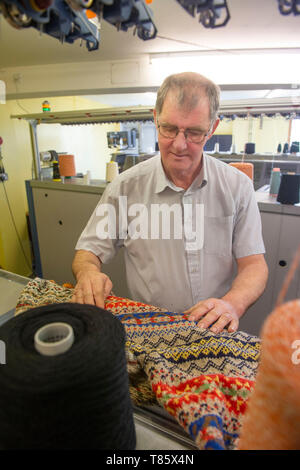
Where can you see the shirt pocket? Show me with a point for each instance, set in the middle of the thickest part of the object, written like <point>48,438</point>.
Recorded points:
<point>218,234</point>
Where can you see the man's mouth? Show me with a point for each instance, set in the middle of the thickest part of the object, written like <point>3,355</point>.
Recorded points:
<point>176,155</point>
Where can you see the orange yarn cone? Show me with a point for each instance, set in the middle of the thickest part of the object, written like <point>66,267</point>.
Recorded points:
<point>272,418</point>
<point>67,165</point>
<point>245,167</point>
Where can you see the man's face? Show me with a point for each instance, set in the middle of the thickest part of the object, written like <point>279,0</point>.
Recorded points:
<point>179,155</point>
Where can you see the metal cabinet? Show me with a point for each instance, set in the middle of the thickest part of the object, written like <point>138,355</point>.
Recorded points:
<point>60,215</point>
<point>60,218</point>
<point>281,234</point>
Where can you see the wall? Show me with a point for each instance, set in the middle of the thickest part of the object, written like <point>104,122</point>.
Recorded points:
<point>75,79</point>
<point>17,159</point>
<point>87,143</point>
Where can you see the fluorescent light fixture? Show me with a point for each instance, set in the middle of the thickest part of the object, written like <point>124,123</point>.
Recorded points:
<point>282,93</point>
<point>232,67</point>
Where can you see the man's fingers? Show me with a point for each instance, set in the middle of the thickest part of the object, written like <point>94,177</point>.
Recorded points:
<point>223,321</point>
<point>99,294</point>
<point>215,314</point>
<point>203,306</point>
<point>198,311</point>
<point>99,300</point>
<point>77,297</point>
<point>234,324</point>
<point>101,291</point>
<point>81,296</point>
<point>210,318</point>
<point>92,290</point>
<point>107,287</point>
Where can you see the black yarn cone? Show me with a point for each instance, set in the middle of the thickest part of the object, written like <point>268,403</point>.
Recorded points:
<point>289,189</point>
<point>76,400</point>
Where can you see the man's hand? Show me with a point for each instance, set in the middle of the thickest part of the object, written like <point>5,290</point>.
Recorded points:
<point>92,288</point>
<point>216,312</point>
<point>248,285</point>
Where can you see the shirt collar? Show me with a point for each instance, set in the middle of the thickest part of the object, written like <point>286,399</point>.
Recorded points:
<point>162,181</point>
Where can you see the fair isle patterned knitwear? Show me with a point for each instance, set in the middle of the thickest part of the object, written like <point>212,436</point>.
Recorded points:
<point>201,379</point>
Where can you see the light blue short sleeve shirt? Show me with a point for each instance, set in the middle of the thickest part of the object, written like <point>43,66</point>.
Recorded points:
<point>180,246</point>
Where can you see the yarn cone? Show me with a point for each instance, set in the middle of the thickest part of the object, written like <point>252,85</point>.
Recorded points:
<point>272,418</point>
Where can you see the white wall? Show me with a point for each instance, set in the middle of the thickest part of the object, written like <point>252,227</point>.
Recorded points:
<point>146,73</point>
<point>87,143</point>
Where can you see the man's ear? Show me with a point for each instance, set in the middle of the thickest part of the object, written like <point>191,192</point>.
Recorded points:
<point>155,116</point>
<point>214,127</point>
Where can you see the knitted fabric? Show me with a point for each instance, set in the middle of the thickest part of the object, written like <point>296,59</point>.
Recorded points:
<point>201,379</point>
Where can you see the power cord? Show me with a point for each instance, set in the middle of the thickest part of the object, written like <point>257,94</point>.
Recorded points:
<point>17,78</point>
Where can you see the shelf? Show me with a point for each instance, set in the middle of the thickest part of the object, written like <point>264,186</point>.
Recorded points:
<point>92,116</point>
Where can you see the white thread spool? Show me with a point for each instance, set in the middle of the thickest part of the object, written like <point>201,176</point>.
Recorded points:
<point>87,178</point>
<point>112,170</point>
<point>54,339</point>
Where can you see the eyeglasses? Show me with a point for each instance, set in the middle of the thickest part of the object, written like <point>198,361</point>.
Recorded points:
<point>191,135</point>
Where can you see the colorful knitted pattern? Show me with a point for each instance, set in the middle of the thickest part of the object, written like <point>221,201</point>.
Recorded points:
<point>201,379</point>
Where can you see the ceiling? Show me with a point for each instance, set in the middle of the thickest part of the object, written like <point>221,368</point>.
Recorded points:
<point>253,24</point>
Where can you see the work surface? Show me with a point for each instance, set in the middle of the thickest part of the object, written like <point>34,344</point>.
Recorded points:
<point>11,286</point>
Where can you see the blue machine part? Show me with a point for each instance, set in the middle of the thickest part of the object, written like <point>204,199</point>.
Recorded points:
<point>66,20</point>
<point>212,13</point>
<point>127,14</point>
<point>286,7</point>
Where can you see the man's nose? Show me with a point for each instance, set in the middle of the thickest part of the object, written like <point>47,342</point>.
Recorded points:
<point>180,141</point>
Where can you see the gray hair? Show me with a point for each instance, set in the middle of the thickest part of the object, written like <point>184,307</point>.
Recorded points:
<point>188,85</point>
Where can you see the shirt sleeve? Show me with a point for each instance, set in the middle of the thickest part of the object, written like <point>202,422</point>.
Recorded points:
<point>100,236</point>
<point>247,234</point>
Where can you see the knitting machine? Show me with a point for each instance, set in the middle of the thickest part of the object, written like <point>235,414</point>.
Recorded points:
<point>68,20</point>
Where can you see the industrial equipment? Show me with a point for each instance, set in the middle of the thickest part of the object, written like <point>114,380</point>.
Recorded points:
<point>286,7</point>
<point>212,13</point>
<point>68,20</point>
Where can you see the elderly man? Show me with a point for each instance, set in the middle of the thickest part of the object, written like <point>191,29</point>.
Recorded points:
<point>214,267</point>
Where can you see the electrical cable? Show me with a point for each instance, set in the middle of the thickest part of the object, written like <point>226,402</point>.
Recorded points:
<point>15,227</point>
<point>204,48</point>
<point>17,101</point>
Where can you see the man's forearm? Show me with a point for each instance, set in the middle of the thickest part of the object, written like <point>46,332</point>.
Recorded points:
<point>249,284</point>
<point>85,261</point>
